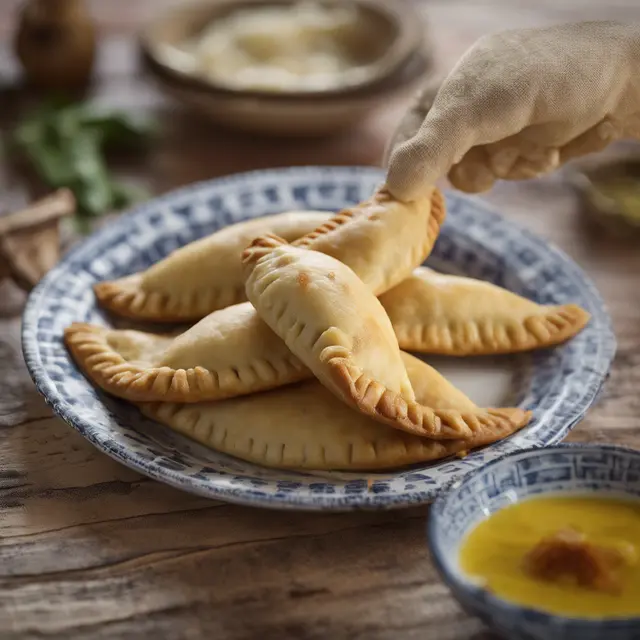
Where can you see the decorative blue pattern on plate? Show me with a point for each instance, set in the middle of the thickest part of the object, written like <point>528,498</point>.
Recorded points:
<point>560,386</point>
<point>573,468</point>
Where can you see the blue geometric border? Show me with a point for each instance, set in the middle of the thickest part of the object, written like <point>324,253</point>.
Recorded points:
<point>584,469</point>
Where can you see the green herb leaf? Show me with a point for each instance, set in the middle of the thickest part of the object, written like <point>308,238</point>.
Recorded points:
<point>64,142</point>
<point>121,130</point>
<point>91,175</point>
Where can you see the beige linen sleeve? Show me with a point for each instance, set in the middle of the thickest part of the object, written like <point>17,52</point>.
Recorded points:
<point>521,103</point>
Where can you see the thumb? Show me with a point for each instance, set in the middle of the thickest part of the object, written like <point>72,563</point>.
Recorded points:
<point>415,165</point>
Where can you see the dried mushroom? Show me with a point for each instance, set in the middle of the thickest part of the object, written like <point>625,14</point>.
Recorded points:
<point>30,241</point>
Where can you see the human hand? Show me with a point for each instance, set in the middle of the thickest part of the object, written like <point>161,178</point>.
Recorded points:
<point>521,103</point>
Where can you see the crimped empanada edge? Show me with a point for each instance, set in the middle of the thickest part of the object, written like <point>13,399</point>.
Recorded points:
<point>111,372</point>
<point>436,218</point>
<point>358,456</point>
<point>551,327</point>
<point>374,399</point>
<point>123,298</point>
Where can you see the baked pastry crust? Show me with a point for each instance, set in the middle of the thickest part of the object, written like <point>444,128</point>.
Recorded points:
<point>206,275</point>
<point>451,315</point>
<point>430,313</point>
<point>304,426</point>
<point>381,239</point>
<point>337,327</point>
<point>231,351</point>
<point>200,277</point>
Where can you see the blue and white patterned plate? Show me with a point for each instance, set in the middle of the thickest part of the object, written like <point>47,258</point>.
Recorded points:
<point>558,385</point>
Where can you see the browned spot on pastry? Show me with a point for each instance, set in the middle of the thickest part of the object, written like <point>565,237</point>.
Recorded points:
<point>260,247</point>
<point>303,280</point>
<point>358,344</point>
<point>363,339</point>
<point>331,275</point>
<point>110,370</point>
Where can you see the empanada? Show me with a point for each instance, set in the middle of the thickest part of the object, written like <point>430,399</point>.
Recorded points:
<point>206,275</point>
<point>232,352</point>
<point>337,327</point>
<point>452,315</point>
<point>304,426</point>
<point>381,239</point>
<point>202,276</point>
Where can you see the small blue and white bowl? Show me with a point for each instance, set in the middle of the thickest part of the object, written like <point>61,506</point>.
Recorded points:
<point>560,469</point>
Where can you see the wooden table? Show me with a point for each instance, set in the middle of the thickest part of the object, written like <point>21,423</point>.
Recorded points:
<point>90,549</point>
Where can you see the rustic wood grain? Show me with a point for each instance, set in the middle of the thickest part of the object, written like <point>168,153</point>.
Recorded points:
<point>90,549</point>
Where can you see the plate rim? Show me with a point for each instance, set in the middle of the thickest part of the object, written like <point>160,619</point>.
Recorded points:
<point>359,501</point>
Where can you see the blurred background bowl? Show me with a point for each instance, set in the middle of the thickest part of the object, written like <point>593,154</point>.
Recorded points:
<point>402,63</point>
<point>608,185</point>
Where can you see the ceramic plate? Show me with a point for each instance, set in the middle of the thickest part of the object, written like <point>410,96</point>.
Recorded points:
<point>558,385</point>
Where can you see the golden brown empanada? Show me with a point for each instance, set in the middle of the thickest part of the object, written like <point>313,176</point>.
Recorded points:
<point>232,352</point>
<point>432,388</point>
<point>381,239</point>
<point>451,315</point>
<point>337,327</point>
<point>304,426</point>
<point>202,276</point>
<point>206,275</point>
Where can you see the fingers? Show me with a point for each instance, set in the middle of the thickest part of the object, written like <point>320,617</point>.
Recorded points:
<point>415,165</point>
<point>413,118</point>
<point>534,160</point>
<point>525,169</point>
<point>510,159</point>
<point>594,139</point>
<point>473,173</point>
<point>463,115</point>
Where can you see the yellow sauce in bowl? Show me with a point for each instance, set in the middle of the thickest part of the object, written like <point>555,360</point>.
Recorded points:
<point>604,533</point>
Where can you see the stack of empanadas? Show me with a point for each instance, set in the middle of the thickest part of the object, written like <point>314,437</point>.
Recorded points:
<point>296,356</point>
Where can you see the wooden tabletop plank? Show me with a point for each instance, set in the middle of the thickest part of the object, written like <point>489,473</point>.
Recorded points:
<point>90,549</point>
